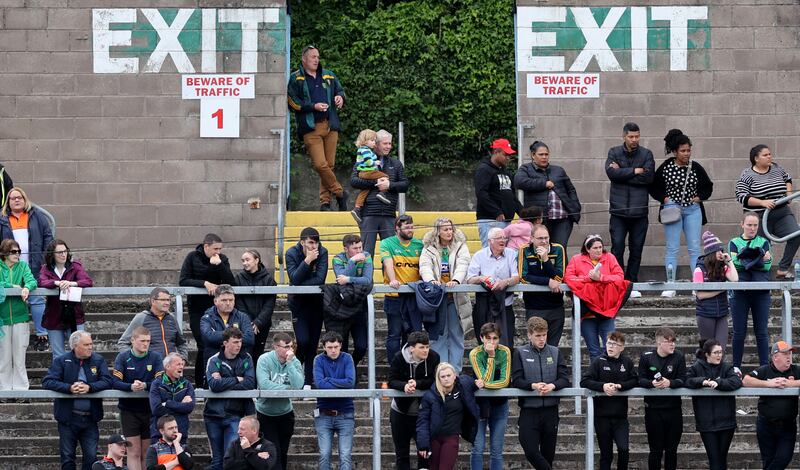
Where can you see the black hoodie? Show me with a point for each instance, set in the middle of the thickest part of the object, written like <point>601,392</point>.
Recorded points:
<point>494,191</point>
<point>402,369</point>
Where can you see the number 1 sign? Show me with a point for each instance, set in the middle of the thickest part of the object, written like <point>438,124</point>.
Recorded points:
<point>219,117</point>
<point>220,97</point>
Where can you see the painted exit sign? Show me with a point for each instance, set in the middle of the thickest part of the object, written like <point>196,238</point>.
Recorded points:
<point>560,39</point>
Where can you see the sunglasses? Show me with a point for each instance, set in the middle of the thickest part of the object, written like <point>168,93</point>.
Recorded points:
<point>14,252</point>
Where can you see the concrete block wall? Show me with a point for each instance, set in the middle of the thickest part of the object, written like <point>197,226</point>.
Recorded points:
<point>742,89</point>
<point>117,157</point>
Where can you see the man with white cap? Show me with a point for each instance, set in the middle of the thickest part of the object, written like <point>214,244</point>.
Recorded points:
<point>776,426</point>
<point>117,448</point>
<point>496,198</point>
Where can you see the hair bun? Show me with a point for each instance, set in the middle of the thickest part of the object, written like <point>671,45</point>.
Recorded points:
<point>672,134</point>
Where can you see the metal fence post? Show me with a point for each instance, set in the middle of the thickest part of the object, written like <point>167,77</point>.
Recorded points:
<point>376,433</point>
<point>589,450</point>
<point>179,310</point>
<point>371,341</point>
<point>576,349</point>
<point>786,323</point>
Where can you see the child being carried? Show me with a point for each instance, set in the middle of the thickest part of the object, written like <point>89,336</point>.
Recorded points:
<point>367,166</point>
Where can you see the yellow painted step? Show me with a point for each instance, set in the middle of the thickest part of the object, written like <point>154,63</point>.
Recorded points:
<point>329,234</point>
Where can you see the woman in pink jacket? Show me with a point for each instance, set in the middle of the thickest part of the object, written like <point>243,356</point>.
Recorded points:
<point>60,271</point>
<point>595,277</point>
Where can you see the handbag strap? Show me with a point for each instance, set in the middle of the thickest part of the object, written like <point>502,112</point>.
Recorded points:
<point>686,180</point>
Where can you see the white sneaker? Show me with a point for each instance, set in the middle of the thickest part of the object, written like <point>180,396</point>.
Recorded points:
<point>305,388</point>
<point>668,293</point>
<point>635,294</point>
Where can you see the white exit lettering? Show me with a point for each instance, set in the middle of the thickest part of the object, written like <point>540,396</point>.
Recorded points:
<point>596,36</point>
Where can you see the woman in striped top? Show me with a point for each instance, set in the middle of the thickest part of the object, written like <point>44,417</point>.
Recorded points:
<point>757,189</point>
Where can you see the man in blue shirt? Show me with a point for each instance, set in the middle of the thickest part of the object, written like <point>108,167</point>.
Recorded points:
<point>334,369</point>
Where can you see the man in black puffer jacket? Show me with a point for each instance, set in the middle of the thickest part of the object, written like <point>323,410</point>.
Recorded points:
<point>631,169</point>
<point>205,267</point>
<point>378,217</point>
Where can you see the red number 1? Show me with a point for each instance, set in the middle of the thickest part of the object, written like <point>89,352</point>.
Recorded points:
<point>218,115</point>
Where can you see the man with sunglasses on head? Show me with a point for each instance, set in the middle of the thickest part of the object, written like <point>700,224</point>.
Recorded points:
<point>495,268</point>
<point>662,368</point>
<point>315,95</point>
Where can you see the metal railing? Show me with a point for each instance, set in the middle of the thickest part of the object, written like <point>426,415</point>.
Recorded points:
<point>375,395</point>
<point>765,225</point>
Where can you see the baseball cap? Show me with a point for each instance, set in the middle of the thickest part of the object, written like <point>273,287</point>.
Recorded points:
<point>504,145</point>
<point>781,347</point>
<point>119,439</point>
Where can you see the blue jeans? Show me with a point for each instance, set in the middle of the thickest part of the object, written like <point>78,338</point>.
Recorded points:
<point>36,304</point>
<point>484,225</point>
<point>398,322</point>
<point>498,419</point>
<point>594,332</point>
<point>57,339</point>
<point>325,426</point>
<point>221,433</point>
<point>80,429</point>
<point>450,343</point>
<point>690,225</point>
<point>758,302</point>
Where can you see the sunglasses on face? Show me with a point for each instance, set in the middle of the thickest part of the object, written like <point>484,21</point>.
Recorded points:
<point>14,252</point>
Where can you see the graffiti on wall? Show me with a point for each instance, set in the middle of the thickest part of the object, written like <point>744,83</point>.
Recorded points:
<point>130,40</point>
<point>611,39</point>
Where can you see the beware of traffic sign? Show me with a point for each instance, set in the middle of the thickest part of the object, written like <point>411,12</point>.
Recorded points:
<point>563,85</point>
<point>217,86</point>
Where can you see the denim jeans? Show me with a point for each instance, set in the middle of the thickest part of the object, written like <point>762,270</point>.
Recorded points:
<point>450,343</point>
<point>690,225</point>
<point>757,302</point>
<point>398,322</point>
<point>484,225</point>
<point>498,419</point>
<point>221,433</point>
<point>57,339</point>
<point>37,304</point>
<point>80,429</point>
<point>326,426</point>
<point>594,332</point>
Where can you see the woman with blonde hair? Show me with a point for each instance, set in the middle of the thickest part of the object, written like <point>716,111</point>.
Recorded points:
<point>25,223</point>
<point>447,411</point>
<point>444,261</point>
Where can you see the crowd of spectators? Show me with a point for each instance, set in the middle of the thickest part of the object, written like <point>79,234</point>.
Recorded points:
<point>425,344</point>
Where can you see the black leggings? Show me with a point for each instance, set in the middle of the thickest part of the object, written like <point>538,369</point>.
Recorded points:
<point>717,444</point>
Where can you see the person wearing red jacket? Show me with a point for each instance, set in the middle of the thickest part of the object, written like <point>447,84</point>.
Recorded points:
<point>60,271</point>
<point>597,279</point>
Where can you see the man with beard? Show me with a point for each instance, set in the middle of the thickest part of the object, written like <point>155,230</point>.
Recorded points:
<point>400,259</point>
